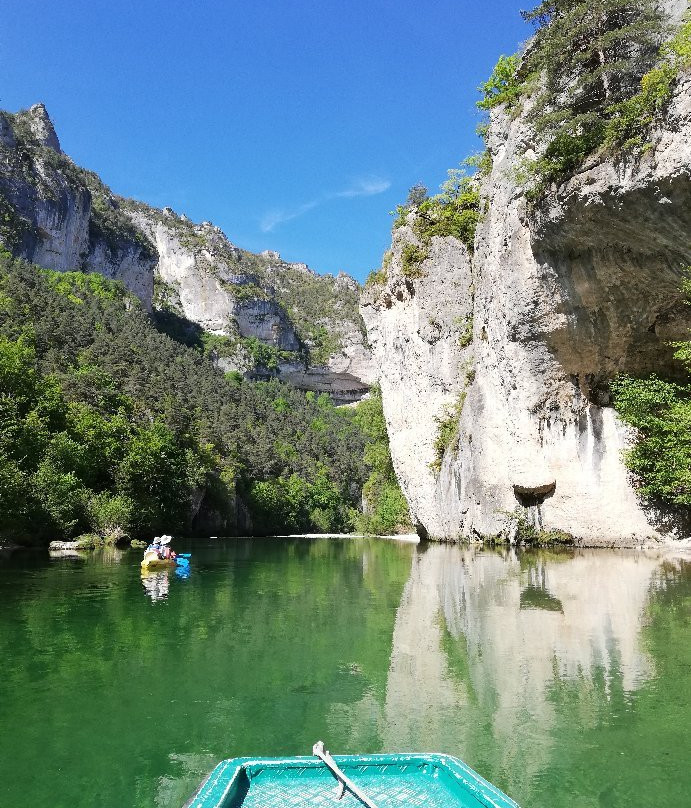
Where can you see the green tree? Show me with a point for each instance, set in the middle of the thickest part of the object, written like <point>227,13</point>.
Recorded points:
<point>591,54</point>
<point>416,195</point>
<point>62,497</point>
<point>154,475</point>
<point>292,503</point>
<point>589,60</point>
<point>661,458</point>
<point>503,86</point>
<point>110,516</point>
<point>103,439</point>
<point>17,504</point>
<point>385,508</point>
<point>660,411</point>
<point>325,503</point>
<point>280,505</point>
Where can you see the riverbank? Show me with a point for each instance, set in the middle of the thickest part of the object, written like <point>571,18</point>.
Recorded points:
<point>594,542</point>
<point>543,539</point>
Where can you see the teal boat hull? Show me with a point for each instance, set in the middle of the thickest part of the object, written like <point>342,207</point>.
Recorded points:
<point>404,781</point>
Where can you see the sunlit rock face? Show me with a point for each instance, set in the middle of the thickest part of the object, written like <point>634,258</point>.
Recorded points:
<point>567,297</point>
<point>64,218</point>
<point>561,299</point>
<point>52,208</point>
<point>200,275</point>
<point>487,637</point>
<point>415,326</point>
<point>206,281</point>
<point>41,127</point>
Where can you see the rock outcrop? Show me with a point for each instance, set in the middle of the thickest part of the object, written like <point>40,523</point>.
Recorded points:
<point>42,129</point>
<point>62,217</point>
<point>415,327</point>
<point>310,321</point>
<point>560,300</point>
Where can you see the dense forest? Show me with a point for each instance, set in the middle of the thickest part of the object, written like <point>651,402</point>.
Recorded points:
<point>112,428</point>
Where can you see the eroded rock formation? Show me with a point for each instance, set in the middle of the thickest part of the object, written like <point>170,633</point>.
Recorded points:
<point>560,300</point>
<point>203,278</point>
<point>49,212</point>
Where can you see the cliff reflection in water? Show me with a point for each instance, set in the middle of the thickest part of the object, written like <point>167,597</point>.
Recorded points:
<point>501,658</point>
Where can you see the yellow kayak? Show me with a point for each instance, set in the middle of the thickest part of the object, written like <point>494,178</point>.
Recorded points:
<point>152,560</point>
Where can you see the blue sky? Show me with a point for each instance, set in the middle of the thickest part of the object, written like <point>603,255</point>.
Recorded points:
<point>294,125</point>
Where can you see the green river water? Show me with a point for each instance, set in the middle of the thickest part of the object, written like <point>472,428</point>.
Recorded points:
<point>564,678</point>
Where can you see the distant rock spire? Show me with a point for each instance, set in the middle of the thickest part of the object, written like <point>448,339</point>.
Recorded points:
<point>42,127</point>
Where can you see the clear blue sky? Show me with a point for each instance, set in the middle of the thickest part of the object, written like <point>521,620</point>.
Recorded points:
<point>295,125</point>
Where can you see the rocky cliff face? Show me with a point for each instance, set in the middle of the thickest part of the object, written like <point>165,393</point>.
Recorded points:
<point>310,321</point>
<point>60,216</point>
<point>560,300</point>
<point>415,327</point>
<point>270,317</point>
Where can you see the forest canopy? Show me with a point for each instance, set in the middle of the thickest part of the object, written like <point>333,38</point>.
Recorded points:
<point>110,426</point>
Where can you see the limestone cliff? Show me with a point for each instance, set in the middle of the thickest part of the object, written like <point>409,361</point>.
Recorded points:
<point>268,317</point>
<point>415,328</point>
<point>559,299</point>
<point>309,322</point>
<point>58,215</point>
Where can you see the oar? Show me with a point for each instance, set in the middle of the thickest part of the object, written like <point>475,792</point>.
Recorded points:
<point>183,555</point>
<point>345,782</point>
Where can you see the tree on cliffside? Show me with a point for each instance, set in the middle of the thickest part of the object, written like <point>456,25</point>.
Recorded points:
<point>416,195</point>
<point>597,76</point>
<point>660,411</point>
<point>591,54</point>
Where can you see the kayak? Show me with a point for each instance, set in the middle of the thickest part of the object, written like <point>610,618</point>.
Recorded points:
<point>152,561</point>
<point>348,781</point>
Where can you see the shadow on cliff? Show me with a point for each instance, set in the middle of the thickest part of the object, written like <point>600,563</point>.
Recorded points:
<point>615,262</point>
<point>178,328</point>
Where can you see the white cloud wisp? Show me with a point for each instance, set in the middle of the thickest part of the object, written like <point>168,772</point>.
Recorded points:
<point>363,186</point>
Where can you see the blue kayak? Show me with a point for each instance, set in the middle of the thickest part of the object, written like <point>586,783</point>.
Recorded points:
<point>348,781</point>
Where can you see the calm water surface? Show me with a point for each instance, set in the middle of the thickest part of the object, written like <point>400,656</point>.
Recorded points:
<point>563,678</point>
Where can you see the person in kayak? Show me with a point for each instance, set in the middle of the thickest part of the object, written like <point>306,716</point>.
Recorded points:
<point>159,551</point>
<point>155,547</point>
<point>161,546</point>
<point>166,552</point>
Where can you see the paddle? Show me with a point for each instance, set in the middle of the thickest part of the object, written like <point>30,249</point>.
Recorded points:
<point>343,781</point>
